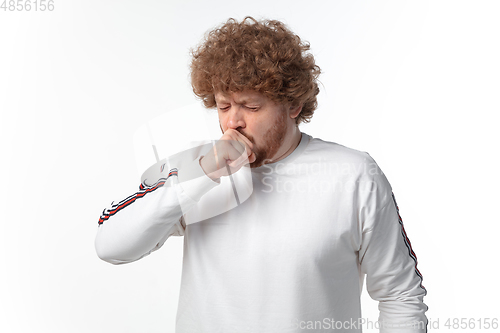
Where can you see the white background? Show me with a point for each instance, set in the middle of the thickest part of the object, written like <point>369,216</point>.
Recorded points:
<point>414,83</point>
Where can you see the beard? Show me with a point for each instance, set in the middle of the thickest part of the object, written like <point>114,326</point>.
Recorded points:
<point>271,141</point>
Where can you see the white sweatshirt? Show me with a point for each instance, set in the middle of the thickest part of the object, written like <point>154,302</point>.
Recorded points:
<point>291,257</point>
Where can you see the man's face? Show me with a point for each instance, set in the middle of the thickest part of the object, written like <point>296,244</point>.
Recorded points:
<point>265,123</point>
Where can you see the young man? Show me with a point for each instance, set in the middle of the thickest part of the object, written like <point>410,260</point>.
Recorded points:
<point>292,257</point>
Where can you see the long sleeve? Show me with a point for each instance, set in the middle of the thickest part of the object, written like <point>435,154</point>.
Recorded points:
<point>141,223</point>
<point>390,264</point>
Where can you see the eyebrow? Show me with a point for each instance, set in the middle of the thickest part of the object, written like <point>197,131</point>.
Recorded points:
<point>223,100</point>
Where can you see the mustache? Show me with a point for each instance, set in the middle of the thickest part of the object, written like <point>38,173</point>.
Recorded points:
<point>248,136</point>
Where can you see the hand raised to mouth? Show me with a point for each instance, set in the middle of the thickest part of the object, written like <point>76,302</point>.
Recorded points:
<point>228,155</point>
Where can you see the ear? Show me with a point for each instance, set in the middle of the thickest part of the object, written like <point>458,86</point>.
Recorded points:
<point>294,111</point>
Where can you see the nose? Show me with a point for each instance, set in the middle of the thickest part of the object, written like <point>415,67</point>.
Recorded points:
<point>235,118</point>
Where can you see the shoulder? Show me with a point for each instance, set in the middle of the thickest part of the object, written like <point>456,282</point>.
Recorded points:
<point>350,165</point>
<point>337,153</point>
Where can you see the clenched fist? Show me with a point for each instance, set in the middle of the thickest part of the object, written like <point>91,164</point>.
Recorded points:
<point>231,152</point>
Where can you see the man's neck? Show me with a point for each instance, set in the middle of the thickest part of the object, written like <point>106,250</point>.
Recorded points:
<point>294,143</point>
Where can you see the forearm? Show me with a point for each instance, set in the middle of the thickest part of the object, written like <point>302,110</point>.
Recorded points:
<point>134,227</point>
<point>140,224</point>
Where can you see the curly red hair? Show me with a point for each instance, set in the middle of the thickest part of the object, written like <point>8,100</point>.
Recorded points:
<point>262,56</point>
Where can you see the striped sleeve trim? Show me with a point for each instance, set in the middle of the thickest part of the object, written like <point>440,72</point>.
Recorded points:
<point>143,191</point>
<point>408,244</point>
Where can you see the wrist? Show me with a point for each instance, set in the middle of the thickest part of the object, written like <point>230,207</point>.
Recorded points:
<point>205,169</point>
